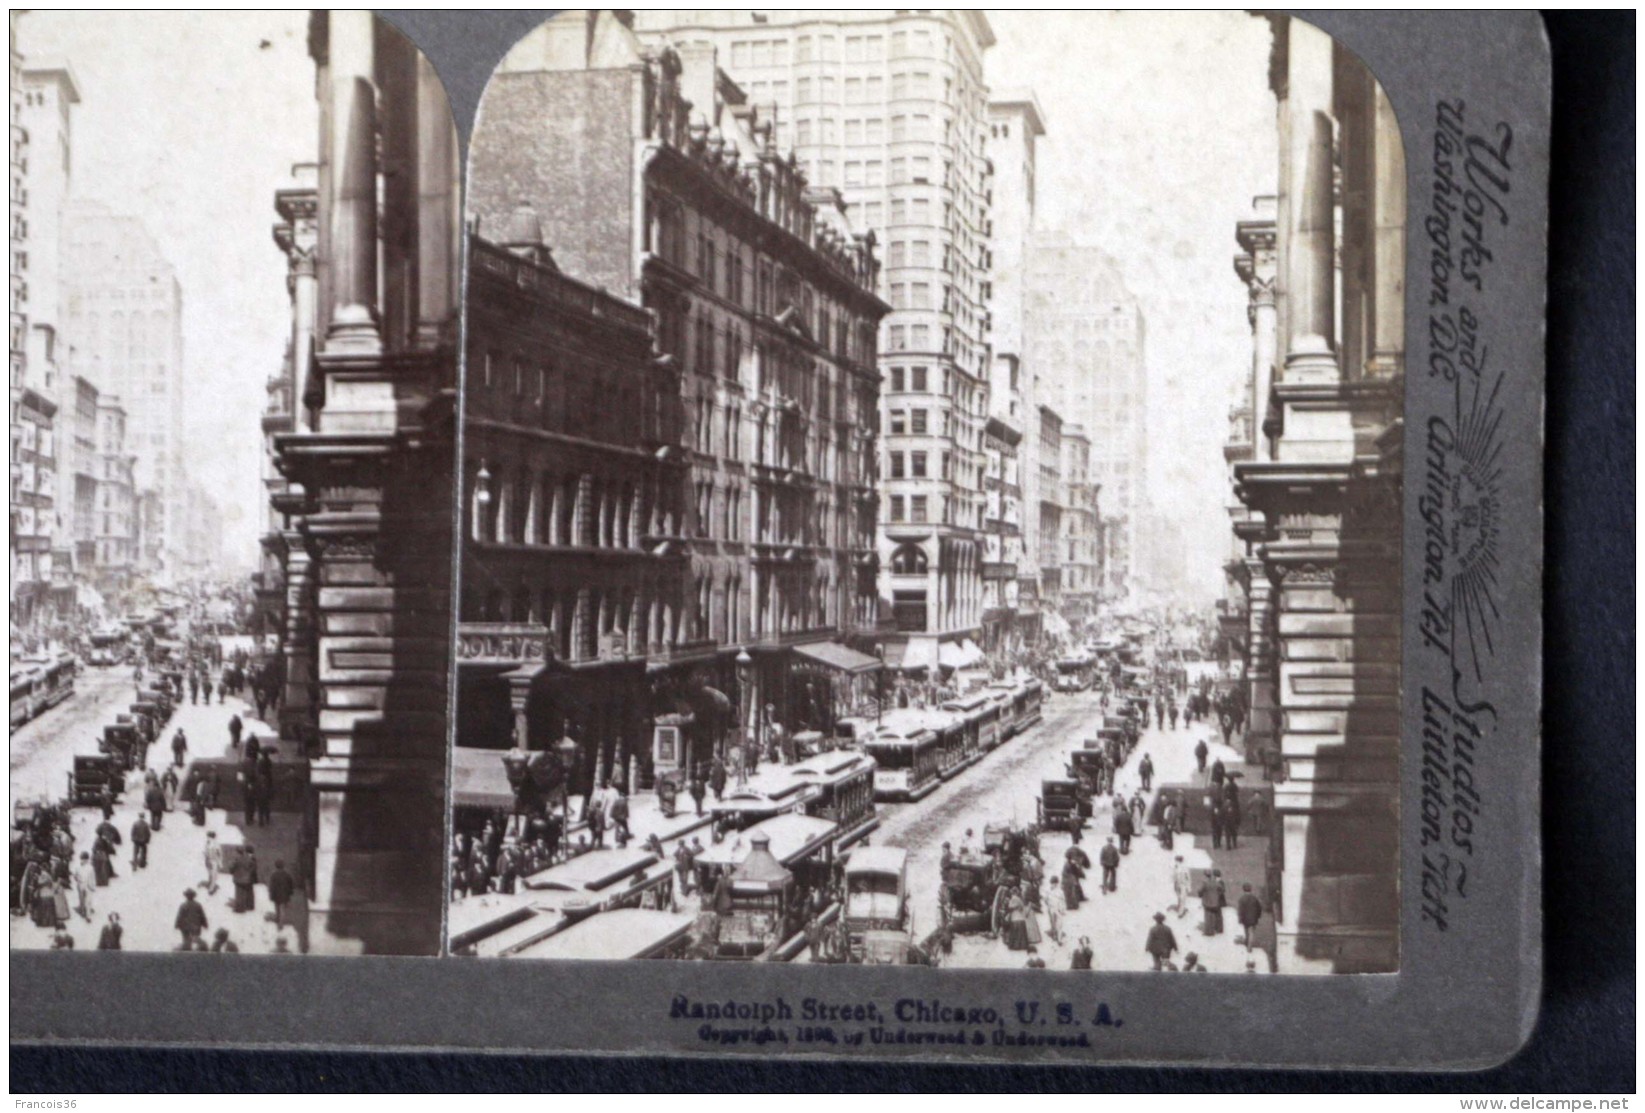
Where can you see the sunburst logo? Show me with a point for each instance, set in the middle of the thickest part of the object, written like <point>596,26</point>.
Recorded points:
<point>1474,510</point>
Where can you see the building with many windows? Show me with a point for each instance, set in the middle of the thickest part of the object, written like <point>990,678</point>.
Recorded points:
<point>124,310</point>
<point>1321,488</point>
<point>889,107</point>
<point>113,526</point>
<point>744,556</point>
<point>1085,338</point>
<point>1079,557</point>
<point>1052,499</point>
<point>1016,123</point>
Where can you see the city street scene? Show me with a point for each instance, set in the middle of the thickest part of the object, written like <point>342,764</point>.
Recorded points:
<point>233,306</point>
<point>929,494</point>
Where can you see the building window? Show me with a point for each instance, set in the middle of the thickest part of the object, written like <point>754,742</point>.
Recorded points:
<point>918,421</point>
<point>896,380</point>
<point>899,421</point>
<point>917,505</point>
<point>917,464</point>
<point>897,503</point>
<point>917,377</point>
<point>896,465</point>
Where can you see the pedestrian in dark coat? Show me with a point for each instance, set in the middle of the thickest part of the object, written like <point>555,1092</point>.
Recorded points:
<point>222,944</point>
<point>698,791</point>
<point>1146,772</point>
<point>179,748</point>
<point>109,938</point>
<point>193,688</point>
<point>1217,822</point>
<point>1082,955</point>
<point>619,819</point>
<point>1249,911</point>
<point>281,887</point>
<point>140,836</point>
<point>1230,813</point>
<point>1162,942</point>
<point>1110,860</point>
<point>1218,772</point>
<point>191,922</point>
<point>1214,897</point>
<point>102,861</point>
<point>1201,752</point>
<point>154,799</point>
<point>596,825</point>
<point>205,688</point>
<point>253,748</point>
<point>1072,890</point>
<point>235,726</point>
<point>1124,828</point>
<point>265,787</point>
<point>716,778</point>
<point>245,881</point>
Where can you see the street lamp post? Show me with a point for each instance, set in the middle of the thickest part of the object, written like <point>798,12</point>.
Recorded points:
<point>567,749</point>
<point>745,684</point>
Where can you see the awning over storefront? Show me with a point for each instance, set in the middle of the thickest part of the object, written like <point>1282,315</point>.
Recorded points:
<point>960,655</point>
<point>478,779</point>
<point>839,657</point>
<point>917,653</point>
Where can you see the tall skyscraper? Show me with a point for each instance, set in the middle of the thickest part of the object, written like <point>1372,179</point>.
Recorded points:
<point>890,108</point>
<point>1015,126</point>
<point>1085,337</point>
<point>124,312</point>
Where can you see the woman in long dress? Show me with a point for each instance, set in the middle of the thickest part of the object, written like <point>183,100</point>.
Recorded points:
<point>1072,891</point>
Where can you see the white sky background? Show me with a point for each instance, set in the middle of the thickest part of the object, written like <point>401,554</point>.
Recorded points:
<point>1160,129</point>
<point>189,122</point>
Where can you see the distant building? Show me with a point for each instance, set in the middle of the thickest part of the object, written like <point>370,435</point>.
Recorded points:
<point>1052,499</point>
<point>1079,528</point>
<point>113,519</point>
<point>1085,339</point>
<point>889,106</point>
<point>1003,550</point>
<point>764,310</point>
<point>1016,123</point>
<point>124,315</point>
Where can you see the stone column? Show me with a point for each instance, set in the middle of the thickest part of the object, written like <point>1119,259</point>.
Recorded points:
<point>437,223</point>
<point>1310,232</point>
<point>352,206</point>
<point>297,642</point>
<point>1262,657</point>
<point>1388,244</point>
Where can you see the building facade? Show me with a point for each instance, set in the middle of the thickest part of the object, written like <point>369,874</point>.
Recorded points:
<point>1323,494</point>
<point>764,310</point>
<point>1004,553</point>
<point>573,485</point>
<point>1052,499</point>
<point>1085,339</point>
<point>124,310</point>
<point>1079,556</point>
<point>113,527</point>
<point>366,508</point>
<point>1016,123</point>
<point>890,107</point>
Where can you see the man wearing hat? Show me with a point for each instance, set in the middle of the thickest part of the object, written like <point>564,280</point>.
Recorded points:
<point>1110,861</point>
<point>1162,942</point>
<point>191,922</point>
<point>1082,955</point>
<point>1249,910</point>
<point>1191,964</point>
<point>222,944</point>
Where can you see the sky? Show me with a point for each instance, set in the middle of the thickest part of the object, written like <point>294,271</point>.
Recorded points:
<point>190,122</point>
<point>1159,132</point>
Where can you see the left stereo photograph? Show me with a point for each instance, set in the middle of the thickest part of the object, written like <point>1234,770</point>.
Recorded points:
<point>232,349</point>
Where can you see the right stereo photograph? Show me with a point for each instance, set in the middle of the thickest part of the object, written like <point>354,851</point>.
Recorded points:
<point>931,494</point>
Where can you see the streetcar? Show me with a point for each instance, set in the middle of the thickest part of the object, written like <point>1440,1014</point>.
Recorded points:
<point>907,766</point>
<point>1024,700</point>
<point>40,684</point>
<point>627,933</point>
<point>843,785</point>
<point>879,925</point>
<point>761,889</point>
<point>1075,674</point>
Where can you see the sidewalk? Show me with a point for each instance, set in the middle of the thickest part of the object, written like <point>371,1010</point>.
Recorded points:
<point>147,899</point>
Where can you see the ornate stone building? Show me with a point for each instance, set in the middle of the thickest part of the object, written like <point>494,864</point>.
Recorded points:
<point>572,509</point>
<point>1322,489</point>
<point>679,201</point>
<point>889,106</point>
<point>366,453</point>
